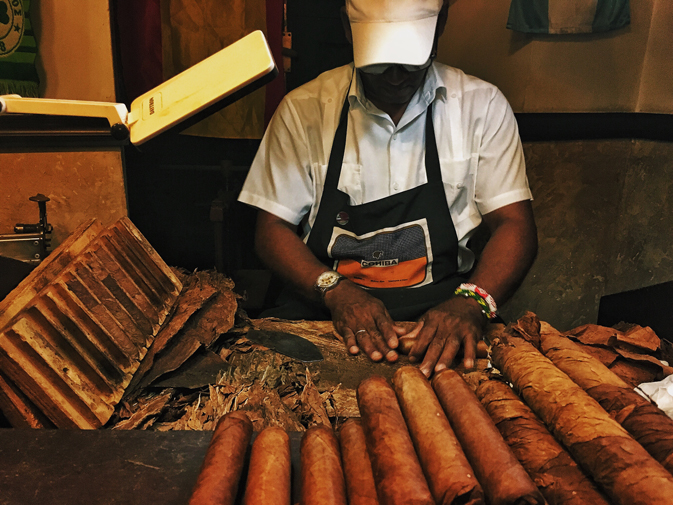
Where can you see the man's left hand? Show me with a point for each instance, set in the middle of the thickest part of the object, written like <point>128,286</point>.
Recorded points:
<point>443,330</point>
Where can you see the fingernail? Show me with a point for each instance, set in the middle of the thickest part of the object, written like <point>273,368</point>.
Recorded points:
<point>425,372</point>
<point>391,356</point>
<point>439,368</point>
<point>393,343</point>
<point>412,359</point>
<point>376,355</point>
<point>469,363</point>
<point>354,349</point>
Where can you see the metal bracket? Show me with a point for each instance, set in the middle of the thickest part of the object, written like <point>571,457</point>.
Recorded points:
<point>30,243</point>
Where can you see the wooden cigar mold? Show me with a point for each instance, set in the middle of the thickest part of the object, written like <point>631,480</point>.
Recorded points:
<point>73,333</point>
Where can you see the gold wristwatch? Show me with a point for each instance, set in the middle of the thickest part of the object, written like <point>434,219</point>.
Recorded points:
<point>326,281</point>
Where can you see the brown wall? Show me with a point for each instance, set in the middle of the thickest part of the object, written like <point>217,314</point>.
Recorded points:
<point>625,70</point>
<point>80,184</point>
<point>74,49</point>
<point>604,211</point>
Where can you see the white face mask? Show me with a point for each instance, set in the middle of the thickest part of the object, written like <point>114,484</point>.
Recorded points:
<point>380,68</point>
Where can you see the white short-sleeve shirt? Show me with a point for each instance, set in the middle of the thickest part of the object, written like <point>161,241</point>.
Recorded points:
<point>477,139</point>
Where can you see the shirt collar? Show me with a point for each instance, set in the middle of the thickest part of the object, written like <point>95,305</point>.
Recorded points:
<point>433,87</point>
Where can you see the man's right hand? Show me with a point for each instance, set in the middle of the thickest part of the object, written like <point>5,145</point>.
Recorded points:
<point>363,321</point>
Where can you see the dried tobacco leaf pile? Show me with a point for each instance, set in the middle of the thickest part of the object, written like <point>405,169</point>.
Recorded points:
<point>632,352</point>
<point>272,389</point>
<point>201,367</point>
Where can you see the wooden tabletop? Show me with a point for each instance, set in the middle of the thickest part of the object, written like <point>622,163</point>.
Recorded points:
<point>339,368</point>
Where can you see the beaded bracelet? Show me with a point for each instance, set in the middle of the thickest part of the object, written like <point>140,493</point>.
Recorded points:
<point>486,301</point>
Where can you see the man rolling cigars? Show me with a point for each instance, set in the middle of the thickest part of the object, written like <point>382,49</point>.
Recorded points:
<point>386,167</point>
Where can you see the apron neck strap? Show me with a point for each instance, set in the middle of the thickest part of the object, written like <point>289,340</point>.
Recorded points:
<point>336,156</point>
<point>433,168</point>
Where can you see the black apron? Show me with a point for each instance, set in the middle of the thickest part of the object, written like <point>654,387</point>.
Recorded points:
<point>403,248</point>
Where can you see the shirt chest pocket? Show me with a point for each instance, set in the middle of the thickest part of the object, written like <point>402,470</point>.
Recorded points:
<point>458,177</point>
<point>350,181</point>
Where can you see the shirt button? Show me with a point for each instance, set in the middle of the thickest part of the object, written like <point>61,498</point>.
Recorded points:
<point>396,186</point>
<point>329,100</point>
<point>453,95</point>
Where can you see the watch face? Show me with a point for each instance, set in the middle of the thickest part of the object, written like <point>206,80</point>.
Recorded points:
<point>327,279</point>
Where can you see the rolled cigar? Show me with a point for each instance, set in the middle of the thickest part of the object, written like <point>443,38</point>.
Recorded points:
<point>649,425</point>
<point>269,470</point>
<point>397,473</point>
<point>360,484</point>
<point>619,464</point>
<point>502,477</point>
<point>448,472</point>
<point>218,478</point>
<point>556,474</point>
<point>322,479</point>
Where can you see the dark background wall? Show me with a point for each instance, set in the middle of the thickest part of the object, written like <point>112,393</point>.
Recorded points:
<point>604,216</point>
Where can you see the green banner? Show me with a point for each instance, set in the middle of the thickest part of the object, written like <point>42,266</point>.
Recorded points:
<point>568,16</point>
<point>18,49</point>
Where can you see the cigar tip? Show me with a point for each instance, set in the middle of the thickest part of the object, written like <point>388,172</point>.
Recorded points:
<point>372,380</point>
<point>232,417</point>
<point>351,421</point>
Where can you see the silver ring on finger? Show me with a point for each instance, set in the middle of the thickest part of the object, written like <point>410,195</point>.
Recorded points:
<point>360,331</point>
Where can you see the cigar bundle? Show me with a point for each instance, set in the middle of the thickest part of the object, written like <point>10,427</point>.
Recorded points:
<point>504,480</point>
<point>426,442</point>
<point>449,474</point>
<point>619,464</point>
<point>554,471</point>
<point>651,427</point>
<point>435,443</point>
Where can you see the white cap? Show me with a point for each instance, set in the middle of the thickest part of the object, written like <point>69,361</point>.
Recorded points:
<point>392,31</point>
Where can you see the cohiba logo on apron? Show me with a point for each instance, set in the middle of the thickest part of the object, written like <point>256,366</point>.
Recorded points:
<point>395,257</point>
<point>11,26</point>
<point>342,218</point>
<point>379,261</point>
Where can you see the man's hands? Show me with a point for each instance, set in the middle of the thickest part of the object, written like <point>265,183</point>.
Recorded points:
<point>443,330</point>
<point>363,321</point>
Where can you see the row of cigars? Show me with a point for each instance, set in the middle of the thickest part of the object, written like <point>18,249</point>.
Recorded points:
<point>575,434</point>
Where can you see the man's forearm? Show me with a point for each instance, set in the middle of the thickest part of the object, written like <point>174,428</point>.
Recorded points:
<point>509,253</point>
<point>280,248</point>
<point>360,319</point>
